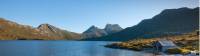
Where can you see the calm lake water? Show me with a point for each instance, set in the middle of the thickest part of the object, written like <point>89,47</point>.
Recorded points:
<point>62,48</point>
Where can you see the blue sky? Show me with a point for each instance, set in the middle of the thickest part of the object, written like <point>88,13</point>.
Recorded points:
<point>79,15</point>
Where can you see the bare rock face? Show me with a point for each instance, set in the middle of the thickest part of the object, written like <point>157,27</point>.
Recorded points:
<point>50,30</point>
<point>93,31</point>
<point>112,28</point>
<point>56,32</point>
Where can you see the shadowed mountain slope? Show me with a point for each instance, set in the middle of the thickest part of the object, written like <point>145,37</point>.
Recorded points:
<point>168,22</point>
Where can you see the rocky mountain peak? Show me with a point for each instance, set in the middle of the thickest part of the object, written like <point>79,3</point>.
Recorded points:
<point>47,27</point>
<point>44,25</point>
<point>112,28</point>
<point>94,31</point>
<point>93,27</point>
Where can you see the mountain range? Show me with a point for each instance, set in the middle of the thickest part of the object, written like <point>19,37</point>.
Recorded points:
<point>95,32</point>
<point>13,31</point>
<point>168,22</point>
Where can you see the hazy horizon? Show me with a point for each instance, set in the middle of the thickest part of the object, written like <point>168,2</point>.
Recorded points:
<point>79,15</point>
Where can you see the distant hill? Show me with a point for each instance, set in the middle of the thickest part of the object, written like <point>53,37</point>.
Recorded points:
<point>168,22</point>
<point>13,31</point>
<point>95,32</point>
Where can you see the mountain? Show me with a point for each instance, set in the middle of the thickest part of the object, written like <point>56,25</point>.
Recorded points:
<point>168,22</point>
<point>93,31</point>
<point>56,32</point>
<point>50,30</point>
<point>112,28</point>
<point>13,31</point>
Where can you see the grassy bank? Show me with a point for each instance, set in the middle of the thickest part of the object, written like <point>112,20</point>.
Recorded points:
<point>186,42</point>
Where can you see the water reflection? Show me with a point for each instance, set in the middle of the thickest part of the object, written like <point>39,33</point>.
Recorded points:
<point>61,48</point>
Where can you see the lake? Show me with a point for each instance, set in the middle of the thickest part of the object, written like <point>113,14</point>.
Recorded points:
<point>62,48</point>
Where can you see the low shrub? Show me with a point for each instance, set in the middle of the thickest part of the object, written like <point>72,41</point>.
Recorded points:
<point>136,48</point>
<point>177,51</point>
<point>173,51</point>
